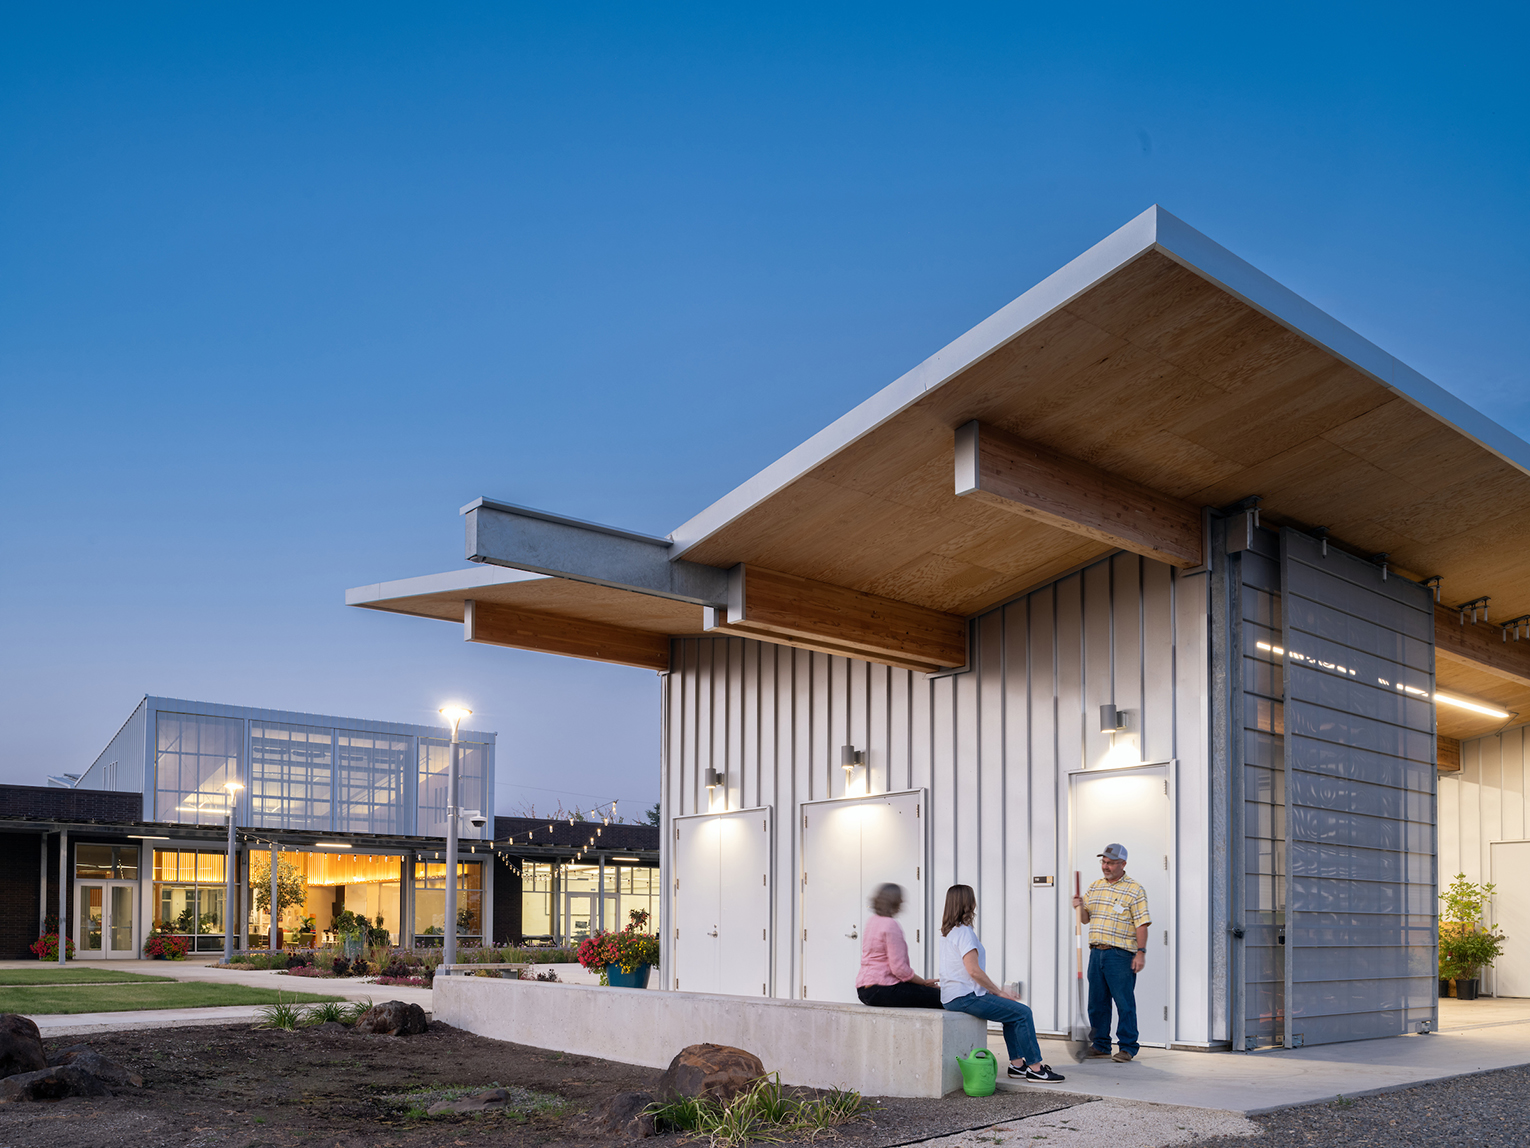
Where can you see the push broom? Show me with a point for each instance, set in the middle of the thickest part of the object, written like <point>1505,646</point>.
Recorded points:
<point>1079,1038</point>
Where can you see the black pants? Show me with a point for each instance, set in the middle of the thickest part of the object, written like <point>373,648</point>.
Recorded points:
<point>904,994</point>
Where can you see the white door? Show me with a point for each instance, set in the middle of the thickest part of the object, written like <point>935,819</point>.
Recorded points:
<point>849,847</point>
<point>721,901</point>
<point>1130,806</point>
<point>105,919</point>
<point>1511,913</point>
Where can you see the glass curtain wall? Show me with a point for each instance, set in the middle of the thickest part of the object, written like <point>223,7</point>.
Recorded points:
<point>291,776</point>
<point>472,783</point>
<point>365,884</point>
<point>430,902</point>
<point>537,909</point>
<point>369,778</point>
<point>561,904</point>
<point>188,897</point>
<point>194,757</point>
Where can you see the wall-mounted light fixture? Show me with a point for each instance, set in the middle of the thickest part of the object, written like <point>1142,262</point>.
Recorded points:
<point>849,758</point>
<point>713,780</point>
<point>1112,720</point>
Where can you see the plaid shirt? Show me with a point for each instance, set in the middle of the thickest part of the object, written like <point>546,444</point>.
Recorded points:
<point>1116,912</point>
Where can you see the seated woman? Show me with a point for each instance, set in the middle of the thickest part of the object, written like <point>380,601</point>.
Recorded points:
<point>886,979</point>
<point>966,987</point>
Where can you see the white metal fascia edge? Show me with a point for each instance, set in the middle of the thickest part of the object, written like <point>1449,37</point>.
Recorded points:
<point>1155,229</point>
<point>448,582</point>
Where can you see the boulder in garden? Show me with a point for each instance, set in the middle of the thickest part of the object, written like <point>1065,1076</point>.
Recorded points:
<point>21,1047</point>
<point>51,1084</point>
<point>83,1057</point>
<point>625,1114</point>
<point>392,1018</point>
<point>715,1071</point>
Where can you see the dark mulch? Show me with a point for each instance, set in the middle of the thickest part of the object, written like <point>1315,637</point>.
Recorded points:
<point>231,1085</point>
<point>1490,1110</point>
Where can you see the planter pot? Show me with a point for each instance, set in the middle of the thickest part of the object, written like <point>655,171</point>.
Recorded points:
<point>1444,987</point>
<point>636,979</point>
<point>1466,990</point>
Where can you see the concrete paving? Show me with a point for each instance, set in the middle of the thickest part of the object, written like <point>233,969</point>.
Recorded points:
<point>1474,1036</point>
<point>1107,1124</point>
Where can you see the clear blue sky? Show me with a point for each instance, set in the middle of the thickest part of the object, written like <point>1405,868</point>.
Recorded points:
<point>281,289</point>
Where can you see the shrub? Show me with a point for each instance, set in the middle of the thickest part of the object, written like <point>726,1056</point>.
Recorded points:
<point>165,946</point>
<point>765,1111</point>
<point>412,982</point>
<point>341,966</point>
<point>299,960</point>
<point>628,949</point>
<point>309,971</point>
<point>360,968</point>
<point>282,1014</point>
<point>46,947</point>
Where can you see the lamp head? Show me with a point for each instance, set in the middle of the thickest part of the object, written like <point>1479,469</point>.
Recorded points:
<point>233,787</point>
<point>454,715</point>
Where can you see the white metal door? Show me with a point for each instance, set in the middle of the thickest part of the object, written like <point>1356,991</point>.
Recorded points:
<point>1511,913</point>
<point>849,847</point>
<point>744,912</point>
<point>721,900</point>
<point>1131,806</point>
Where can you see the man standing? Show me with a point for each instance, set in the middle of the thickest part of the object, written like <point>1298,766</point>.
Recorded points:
<point>1116,910</point>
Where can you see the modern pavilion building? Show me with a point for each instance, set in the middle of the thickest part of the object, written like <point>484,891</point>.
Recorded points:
<point>1159,553</point>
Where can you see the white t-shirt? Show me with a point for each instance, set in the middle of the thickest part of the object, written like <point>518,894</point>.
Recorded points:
<point>955,981</point>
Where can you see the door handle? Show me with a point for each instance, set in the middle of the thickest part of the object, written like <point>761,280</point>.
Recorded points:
<point>852,934</point>
<point>713,933</point>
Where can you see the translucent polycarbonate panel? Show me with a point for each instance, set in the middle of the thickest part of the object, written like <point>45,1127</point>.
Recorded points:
<point>472,786</point>
<point>369,782</point>
<point>1360,953</point>
<point>195,756</point>
<point>291,776</point>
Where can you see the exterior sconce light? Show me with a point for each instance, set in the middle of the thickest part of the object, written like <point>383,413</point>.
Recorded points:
<point>713,780</point>
<point>1112,720</point>
<point>849,758</point>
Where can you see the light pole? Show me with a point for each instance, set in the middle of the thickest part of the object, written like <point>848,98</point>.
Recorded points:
<point>233,788</point>
<point>453,714</point>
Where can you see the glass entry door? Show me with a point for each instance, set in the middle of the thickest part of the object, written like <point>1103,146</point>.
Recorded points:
<point>105,926</point>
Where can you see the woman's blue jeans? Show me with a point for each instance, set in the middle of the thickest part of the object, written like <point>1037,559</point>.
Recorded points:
<point>1019,1027</point>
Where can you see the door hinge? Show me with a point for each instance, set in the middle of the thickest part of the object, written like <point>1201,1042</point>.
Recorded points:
<point>804,934</point>
<point>916,936</point>
<point>916,809</point>
<point>804,992</point>
<point>677,838</point>
<point>804,876</point>
<point>1166,936</point>
<point>804,821</point>
<point>916,872</point>
<point>763,937</point>
<point>1166,787</point>
<point>765,879</point>
<point>1166,861</point>
<point>677,884</point>
<point>765,825</point>
<point>677,932</point>
<point>1165,1012</point>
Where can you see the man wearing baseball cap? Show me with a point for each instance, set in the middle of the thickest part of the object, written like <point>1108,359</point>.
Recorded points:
<point>1116,910</point>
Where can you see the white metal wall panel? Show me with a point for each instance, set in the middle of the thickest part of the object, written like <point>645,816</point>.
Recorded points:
<point>993,747</point>
<point>1360,951</point>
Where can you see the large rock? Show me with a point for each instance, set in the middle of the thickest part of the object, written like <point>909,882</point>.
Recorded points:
<point>625,1115</point>
<point>716,1071</point>
<point>52,1084</point>
<point>392,1018</point>
<point>21,1047</point>
<point>109,1071</point>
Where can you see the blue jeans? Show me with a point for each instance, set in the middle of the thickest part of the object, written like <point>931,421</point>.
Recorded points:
<point>1019,1028</point>
<point>1111,980</point>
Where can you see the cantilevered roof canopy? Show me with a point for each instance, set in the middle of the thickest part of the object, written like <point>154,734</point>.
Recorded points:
<point>1154,375</point>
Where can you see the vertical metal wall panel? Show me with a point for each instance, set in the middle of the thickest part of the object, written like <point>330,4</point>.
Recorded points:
<point>992,745</point>
<point>1360,956</point>
<point>1201,916</point>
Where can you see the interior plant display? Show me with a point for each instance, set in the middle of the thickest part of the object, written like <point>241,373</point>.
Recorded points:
<point>46,947</point>
<point>622,958</point>
<point>1467,946</point>
<point>291,887</point>
<point>165,947</point>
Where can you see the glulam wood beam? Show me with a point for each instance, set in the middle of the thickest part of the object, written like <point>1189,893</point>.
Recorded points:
<point>1448,756</point>
<point>495,624</point>
<point>1480,645</point>
<point>795,611</point>
<point>1037,483</point>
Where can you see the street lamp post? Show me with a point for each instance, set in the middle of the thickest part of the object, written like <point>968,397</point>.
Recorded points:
<point>453,714</point>
<point>233,788</point>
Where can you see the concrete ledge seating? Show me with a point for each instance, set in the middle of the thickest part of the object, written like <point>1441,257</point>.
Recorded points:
<point>876,1051</point>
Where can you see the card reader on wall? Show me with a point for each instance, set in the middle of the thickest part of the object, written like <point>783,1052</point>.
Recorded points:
<point>1041,880</point>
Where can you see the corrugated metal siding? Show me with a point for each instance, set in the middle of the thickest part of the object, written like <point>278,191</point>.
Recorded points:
<point>992,746</point>
<point>120,767</point>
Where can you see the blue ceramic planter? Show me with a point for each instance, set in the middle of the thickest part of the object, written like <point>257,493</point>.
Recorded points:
<point>636,979</point>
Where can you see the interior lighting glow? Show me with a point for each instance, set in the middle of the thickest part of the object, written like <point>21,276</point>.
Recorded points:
<point>626,858</point>
<point>332,844</point>
<point>1475,707</point>
<point>146,837</point>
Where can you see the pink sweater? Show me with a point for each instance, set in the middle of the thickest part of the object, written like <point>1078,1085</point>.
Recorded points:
<point>884,954</point>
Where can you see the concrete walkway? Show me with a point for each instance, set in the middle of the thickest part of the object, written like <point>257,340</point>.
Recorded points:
<point>1474,1036</point>
<point>70,1024</point>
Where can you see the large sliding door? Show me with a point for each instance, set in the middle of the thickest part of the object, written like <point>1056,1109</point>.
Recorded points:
<point>1360,887</point>
<point>849,847</point>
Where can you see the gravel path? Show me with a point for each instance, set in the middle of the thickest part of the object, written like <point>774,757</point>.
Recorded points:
<point>1491,1109</point>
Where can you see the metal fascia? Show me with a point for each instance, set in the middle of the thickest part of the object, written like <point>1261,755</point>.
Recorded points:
<point>447,582</point>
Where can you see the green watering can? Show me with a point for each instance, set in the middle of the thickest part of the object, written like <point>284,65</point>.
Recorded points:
<point>980,1072</point>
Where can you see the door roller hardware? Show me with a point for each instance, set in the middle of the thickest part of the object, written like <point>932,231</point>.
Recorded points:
<point>1474,605</point>
<point>1522,623</point>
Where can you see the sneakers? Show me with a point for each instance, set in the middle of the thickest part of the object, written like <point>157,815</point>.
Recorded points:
<point>1040,1073</point>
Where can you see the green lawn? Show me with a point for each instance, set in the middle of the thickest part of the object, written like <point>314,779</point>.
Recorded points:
<point>40,1001</point>
<point>51,974</point>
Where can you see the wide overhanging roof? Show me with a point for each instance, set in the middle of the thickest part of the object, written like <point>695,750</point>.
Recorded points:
<point>1156,358</point>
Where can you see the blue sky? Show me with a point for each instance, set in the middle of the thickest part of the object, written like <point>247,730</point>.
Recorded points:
<point>280,290</point>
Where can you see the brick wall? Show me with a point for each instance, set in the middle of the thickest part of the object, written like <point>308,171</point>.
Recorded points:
<point>50,802</point>
<point>18,892</point>
<point>507,904</point>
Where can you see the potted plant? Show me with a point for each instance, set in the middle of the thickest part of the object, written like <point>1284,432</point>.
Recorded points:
<point>624,959</point>
<point>291,891</point>
<point>1466,945</point>
<point>162,946</point>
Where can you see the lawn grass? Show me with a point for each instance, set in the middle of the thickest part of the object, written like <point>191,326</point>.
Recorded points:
<point>42,1001</point>
<point>51,974</point>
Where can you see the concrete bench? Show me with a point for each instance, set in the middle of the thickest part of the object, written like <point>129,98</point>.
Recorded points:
<point>876,1051</point>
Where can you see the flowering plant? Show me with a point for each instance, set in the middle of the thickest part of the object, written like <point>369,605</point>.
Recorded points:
<point>629,948</point>
<point>46,947</point>
<point>165,947</point>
